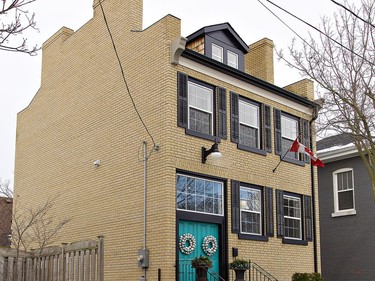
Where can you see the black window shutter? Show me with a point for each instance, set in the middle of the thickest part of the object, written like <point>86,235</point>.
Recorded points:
<point>234,117</point>
<point>280,212</point>
<point>182,103</point>
<point>267,142</point>
<point>235,185</point>
<point>222,112</point>
<point>269,212</point>
<point>308,217</point>
<point>305,137</point>
<point>277,117</point>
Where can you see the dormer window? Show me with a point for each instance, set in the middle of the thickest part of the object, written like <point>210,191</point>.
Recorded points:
<point>232,59</point>
<point>217,53</point>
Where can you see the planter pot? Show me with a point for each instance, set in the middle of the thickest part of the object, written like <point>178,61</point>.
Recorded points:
<point>201,273</point>
<point>240,274</point>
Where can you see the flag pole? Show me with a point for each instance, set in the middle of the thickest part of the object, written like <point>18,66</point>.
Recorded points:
<point>281,159</point>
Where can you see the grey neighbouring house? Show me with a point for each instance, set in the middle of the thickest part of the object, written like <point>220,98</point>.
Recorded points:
<point>6,205</point>
<point>347,212</point>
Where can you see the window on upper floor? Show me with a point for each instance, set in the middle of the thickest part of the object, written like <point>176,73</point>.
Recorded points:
<point>217,53</point>
<point>200,195</point>
<point>252,211</point>
<point>343,190</point>
<point>201,108</point>
<point>201,104</point>
<point>294,217</point>
<point>250,125</point>
<point>287,129</point>
<point>232,59</point>
<point>224,55</point>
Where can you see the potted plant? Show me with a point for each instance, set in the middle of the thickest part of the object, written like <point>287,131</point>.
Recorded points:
<point>201,265</point>
<point>239,266</point>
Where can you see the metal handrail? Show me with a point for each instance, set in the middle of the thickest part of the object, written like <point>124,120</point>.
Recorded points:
<point>187,272</point>
<point>256,271</point>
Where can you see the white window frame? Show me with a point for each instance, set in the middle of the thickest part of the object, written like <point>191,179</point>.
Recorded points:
<point>252,211</point>
<point>205,179</point>
<point>292,136</point>
<point>216,57</point>
<point>337,212</point>
<point>294,218</point>
<point>250,125</point>
<point>201,109</point>
<point>230,63</point>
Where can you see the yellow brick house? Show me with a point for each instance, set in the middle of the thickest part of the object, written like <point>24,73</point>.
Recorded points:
<point>81,139</point>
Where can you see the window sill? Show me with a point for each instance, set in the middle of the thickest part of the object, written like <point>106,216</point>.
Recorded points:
<point>201,135</point>
<point>344,213</point>
<point>252,237</point>
<point>295,242</point>
<point>252,149</point>
<point>294,161</point>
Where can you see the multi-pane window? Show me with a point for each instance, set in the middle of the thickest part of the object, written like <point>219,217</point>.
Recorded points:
<point>251,210</point>
<point>200,108</point>
<point>232,59</point>
<point>289,132</point>
<point>249,124</point>
<point>217,53</point>
<point>344,190</point>
<point>199,195</point>
<point>292,217</point>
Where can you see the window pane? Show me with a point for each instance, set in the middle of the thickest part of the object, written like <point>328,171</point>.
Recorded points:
<point>250,222</point>
<point>286,144</point>
<point>249,136</point>
<point>217,53</point>
<point>181,201</point>
<point>232,59</point>
<point>200,121</point>
<point>249,114</point>
<point>345,200</point>
<point>292,228</point>
<point>289,128</point>
<point>200,203</point>
<point>199,186</point>
<point>181,184</point>
<point>199,195</point>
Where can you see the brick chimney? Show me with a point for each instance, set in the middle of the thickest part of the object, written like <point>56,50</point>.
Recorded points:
<point>259,60</point>
<point>304,88</point>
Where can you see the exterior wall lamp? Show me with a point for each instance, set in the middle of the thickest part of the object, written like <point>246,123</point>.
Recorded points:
<point>213,151</point>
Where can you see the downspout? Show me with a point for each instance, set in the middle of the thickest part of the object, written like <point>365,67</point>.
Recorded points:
<point>315,116</point>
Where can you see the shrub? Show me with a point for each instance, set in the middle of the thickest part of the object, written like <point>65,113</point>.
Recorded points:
<point>239,264</point>
<point>201,262</point>
<point>307,277</point>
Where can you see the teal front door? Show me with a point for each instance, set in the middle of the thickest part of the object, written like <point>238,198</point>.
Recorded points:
<point>197,231</point>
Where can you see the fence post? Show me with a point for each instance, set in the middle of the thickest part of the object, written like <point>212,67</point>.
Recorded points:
<point>62,263</point>
<point>101,258</point>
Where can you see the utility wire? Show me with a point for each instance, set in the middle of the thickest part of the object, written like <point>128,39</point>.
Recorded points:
<point>291,29</point>
<point>123,74</point>
<point>321,32</point>
<point>354,14</point>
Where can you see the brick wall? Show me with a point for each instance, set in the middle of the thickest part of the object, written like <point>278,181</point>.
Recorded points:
<point>82,113</point>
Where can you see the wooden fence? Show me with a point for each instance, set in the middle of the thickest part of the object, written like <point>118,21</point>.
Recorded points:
<point>79,261</point>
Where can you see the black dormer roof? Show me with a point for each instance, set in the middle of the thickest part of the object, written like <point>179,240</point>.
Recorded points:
<point>225,27</point>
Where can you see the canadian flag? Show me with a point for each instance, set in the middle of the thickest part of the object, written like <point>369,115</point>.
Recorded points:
<point>298,147</point>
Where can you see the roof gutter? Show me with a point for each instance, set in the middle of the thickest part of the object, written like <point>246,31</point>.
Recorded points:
<point>315,116</point>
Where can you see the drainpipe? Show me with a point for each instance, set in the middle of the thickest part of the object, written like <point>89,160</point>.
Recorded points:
<point>315,116</point>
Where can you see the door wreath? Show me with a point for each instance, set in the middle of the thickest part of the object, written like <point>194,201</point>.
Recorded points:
<point>187,243</point>
<point>209,245</point>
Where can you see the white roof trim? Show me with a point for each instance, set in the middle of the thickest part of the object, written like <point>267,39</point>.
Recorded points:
<point>330,155</point>
<point>243,85</point>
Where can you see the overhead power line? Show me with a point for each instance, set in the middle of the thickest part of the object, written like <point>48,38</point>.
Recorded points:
<point>354,14</point>
<point>321,32</point>
<point>123,75</point>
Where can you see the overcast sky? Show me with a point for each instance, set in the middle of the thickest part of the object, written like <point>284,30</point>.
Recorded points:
<point>20,73</point>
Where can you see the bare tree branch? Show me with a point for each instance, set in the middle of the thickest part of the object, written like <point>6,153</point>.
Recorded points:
<point>342,62</point>
<point>14,21</point>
